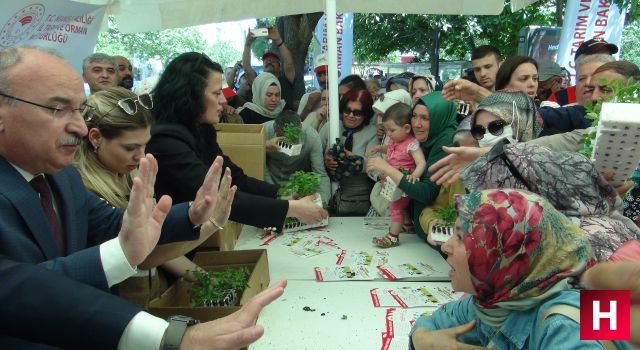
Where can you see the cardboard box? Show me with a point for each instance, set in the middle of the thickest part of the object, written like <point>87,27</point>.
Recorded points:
<point>245,145</point>
<point>225,239</point>
<point>176,300</point>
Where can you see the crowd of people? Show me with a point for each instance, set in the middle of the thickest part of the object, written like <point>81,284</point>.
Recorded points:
<point>111,193</point>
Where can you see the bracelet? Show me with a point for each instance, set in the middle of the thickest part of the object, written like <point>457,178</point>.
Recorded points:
<point>281,43</point>
<point>215,224</point>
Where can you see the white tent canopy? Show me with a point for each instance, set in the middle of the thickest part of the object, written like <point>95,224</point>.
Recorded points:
<point>145,15</point>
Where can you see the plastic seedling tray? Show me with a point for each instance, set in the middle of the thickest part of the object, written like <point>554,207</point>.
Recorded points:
<point>293,225</point>
<point>617,140</point>
<point>390,190</point>
<point>440,233</point>
<point>288,149</point>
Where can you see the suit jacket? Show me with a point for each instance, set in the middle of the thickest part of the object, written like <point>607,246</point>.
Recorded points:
<point>26,237</point>
<point>183,162</point>
<point>65,314</point>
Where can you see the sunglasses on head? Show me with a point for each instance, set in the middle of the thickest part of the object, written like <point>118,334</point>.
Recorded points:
<point>354,112</point>
<point>496,128</point>
<point>129,105</point>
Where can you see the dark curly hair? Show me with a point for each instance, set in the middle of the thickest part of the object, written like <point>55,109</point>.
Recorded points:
<point>358,95</point>
<point>178,96</point>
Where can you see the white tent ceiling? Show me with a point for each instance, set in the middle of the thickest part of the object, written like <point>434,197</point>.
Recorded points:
<point>146,15</point>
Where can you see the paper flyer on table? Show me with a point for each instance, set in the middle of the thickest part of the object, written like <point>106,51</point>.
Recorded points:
<point>398,324</point>
<point>345,273</point>
<point>382,297</point>
<point>309,248</point>
<point>424,296</point>
<point>362,258</point>
<point>409,297</point>
<point>420,271</point>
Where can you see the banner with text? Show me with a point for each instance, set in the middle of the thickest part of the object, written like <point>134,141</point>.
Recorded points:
<point>67,27</point>
<point>584,20</point>
<point>344,34</point>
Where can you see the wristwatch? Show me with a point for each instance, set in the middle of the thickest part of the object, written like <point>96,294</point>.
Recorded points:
<point>177,327</point>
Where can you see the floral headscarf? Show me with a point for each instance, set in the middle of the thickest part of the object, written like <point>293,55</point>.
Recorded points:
<point>259,90</point>
<point>568,180</point>
<point>521,250</point>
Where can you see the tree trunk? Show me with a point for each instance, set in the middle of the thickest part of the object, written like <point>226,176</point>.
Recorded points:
<point>560,7</point>
<point>297,32</point>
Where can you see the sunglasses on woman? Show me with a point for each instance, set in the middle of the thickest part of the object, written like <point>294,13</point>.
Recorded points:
<point>496,128</point>
<point>129,105</point>
<point>355,112</point>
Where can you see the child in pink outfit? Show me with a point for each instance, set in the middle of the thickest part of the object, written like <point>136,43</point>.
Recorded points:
<point>403,153</point>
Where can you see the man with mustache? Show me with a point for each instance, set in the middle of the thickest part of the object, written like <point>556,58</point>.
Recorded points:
<point>49,218</point>
<point>272,63</point>
<point>125,72</point>
<point>99,72</point>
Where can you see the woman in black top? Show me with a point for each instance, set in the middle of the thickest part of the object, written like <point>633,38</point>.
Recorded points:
<point>188,102</point>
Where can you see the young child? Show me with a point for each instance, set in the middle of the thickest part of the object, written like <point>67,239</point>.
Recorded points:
<point>403,152</point>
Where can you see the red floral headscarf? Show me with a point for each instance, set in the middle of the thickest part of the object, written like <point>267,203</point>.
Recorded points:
<point>519,246</point>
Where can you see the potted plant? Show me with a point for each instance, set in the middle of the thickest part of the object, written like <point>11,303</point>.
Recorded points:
<point>612,140</point>
<point>291,144</point>
<point>302,184</point>
<point>218,288</point>
<point>443,229</point>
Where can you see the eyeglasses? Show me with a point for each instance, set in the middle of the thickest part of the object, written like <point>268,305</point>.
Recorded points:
<point>129,105</point>
<point>354,112</point>
<point>496,128</point>
<point>59,111</point>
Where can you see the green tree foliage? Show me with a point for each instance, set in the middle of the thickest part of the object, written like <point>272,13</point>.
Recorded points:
<point>378,35</point>
<point>631,43</point>
<point>165,44</point>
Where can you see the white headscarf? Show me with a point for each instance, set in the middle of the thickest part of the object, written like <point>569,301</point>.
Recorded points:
<point>259,89</point>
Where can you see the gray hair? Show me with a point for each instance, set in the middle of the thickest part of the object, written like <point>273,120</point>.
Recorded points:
<point>99,58</point>
<point>287,117</point>
<point>10,57</point>
<point>600,57</point>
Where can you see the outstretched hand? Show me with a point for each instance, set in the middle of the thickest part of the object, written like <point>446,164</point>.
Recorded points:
<point>204,204</point>
<point>449,168</point>
<point>424,339</point>
<point>236,330</point>
<point>224,201</point>
<point>143,218</point>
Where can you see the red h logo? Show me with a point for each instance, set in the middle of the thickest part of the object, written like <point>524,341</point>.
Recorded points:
<point>605,314</point>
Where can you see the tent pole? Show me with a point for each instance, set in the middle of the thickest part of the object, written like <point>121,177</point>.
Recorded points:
<point>332,55</point>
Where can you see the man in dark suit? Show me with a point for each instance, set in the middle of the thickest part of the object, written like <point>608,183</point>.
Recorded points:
<point>46,215</point>
<point>73,315</point>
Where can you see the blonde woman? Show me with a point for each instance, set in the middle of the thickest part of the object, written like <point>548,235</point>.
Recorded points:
<point>119,130</point>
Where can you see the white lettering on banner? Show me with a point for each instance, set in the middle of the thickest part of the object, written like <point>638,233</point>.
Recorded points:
<point>598,315</point>
<point>66,26</point>
<point>344,40</point>
<point>586,19</point>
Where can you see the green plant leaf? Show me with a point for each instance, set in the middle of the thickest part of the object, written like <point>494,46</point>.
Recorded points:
<point>302,183</point>
<point>292,134</point>
<point>448,214</point>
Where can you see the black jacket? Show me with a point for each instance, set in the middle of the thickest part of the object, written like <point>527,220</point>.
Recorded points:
<point>183,162</point>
